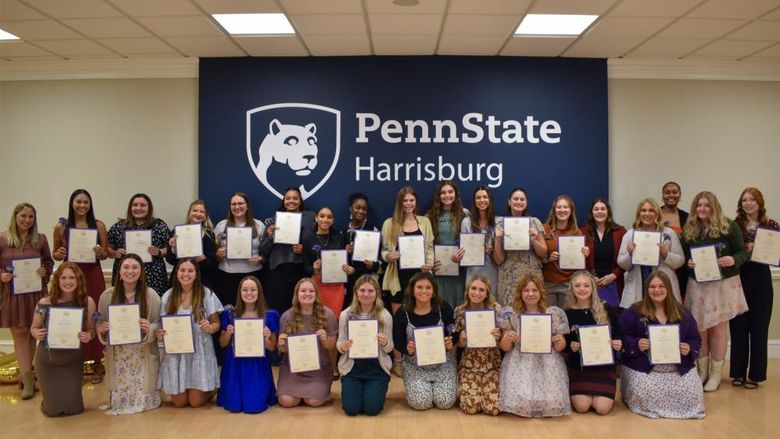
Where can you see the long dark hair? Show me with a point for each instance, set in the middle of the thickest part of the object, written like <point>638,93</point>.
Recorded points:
<point>491,210</point>
<point>409,301</point>
<point>91,222</point>
<point>260,306</point>
<point>149,220</point>
<point>590,228</point>
<point>509,198</point>
<point>281,207</point>
<point>249,215</point>
<point>456,212</point>
<point>140,288</point>
<point>198,291</point>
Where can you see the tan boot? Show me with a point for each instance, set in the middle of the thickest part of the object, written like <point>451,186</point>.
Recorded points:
<point>28,385</point>
<point>713,382</point>
<point>703,366</point>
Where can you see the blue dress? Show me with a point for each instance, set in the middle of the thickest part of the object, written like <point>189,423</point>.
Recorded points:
<point>247,384</point>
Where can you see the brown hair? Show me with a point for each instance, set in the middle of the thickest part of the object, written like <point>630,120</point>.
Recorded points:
<point>742,218</point>
<point>490,213</point>
<point>646,307</point>
<point>149,220</point>
<point>590,228</point>
<point>260,306</point>
<point>397,220</point>
<point>456,211</point>
<point>198,291</point>
<point>319,318</point>
<point>354,306</point>
<point>571,225</point>
<point>140,287</point>
<point>409,302</point>
<point>517,303</point>
<point>249,215</point>
<point>80,297</point>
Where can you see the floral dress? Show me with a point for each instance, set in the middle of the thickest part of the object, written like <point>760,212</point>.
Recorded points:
<point>156,273</point>
<point>478,376</point>
<point>516,264</point>
<point>129,398</point>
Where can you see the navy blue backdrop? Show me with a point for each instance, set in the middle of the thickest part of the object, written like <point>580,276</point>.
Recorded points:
<point>373,124</point>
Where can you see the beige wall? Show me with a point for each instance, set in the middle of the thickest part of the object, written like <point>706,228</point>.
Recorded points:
<point>118,137</point>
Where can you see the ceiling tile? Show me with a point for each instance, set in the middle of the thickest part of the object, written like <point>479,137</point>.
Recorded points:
<point>404,44</point>
<point>39,30</point>
<point>771,52</point>
<point>106,27</point>
<point>653,8</point>
<point>470,44</point>
<point>127,46</point>
<point>318,24</point>
<point>323,7</point>
<point>602,47</point>
<point>10,49</point>
<point>667,47</point>
<point>206,46</point>
<point>459,24</point>
<point>516,7</point>
<point>239,6</point>
<point>735,49</point>
<point>74,47</point>
<point>156,7</point>
<point>388,7</point>
<point>338,45</point>
<point>405,24</point>
<point>597,7</point>
<point>700,28</point>
<point>536,46</point>
<point>75,8</point>
<point>774,15</point>
<point>13,10</point>
<point>757,30</point>
<point>272,45</point>
<point>181,26</point>
<point>628,26</point>
<point>734,8</point>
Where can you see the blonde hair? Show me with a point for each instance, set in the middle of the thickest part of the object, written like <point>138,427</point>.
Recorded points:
<point>646,307</point>
<point>319,319</point>
<point>379,306</point>
<point>397,220</point>
<point>490,302</point>
<point>659,225</point>
<point>571,224</point>
<point>517,303</point>
<point>596,305</point>
<point>14,241</point>
<point>719,224</point>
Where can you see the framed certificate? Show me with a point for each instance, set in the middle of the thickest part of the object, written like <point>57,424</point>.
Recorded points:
<point>706,260</point>
<point>331,271</point>
<point>124,327</point>
<point>366,245</point>
<point>516,233</point>
<point>26,279</point>
<point>664,344</point>
<point>429,345</point>
<point>189,243</point>
<point>63,326</point>
<point>535,333</point>
<point>595,345</point>
<point>288,228</point>
<point>412,249</point>
<point>474,246</point>
<point>646,251</point>
<point>239,242</point>
<point>363,334</point>
<point>443,254</point>
<point>570,250</point>
<point>478,327</point>
<point>81,244</point>
<point>179,337</point>
<point>248,338</point>
<point>138,242</point>
<point>303,352</point>
<point>766,249</point>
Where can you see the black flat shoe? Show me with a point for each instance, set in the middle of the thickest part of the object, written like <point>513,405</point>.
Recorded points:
<point>738,382</point>
<point>751,385</point>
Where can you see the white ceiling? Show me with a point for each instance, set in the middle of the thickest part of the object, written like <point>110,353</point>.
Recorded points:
<point>717,30</point>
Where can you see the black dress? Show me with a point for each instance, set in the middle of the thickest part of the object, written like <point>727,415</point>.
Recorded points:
<point>591,380</point>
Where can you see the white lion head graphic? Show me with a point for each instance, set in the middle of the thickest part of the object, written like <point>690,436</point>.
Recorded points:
<point>291,145</point>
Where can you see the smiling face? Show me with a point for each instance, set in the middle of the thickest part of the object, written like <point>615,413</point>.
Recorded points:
<point>703,210</point>
<point>583,290</point>
<point>68,281</point>
<point>477,292</point>
<point>423,291</point>
<point>25,220</point>
<point>238,207</point>
<point>307,294</point>
<point>324,220</point>
<point>359,210</point>
<point>518,202</point>
<point>600,212</point>
<point>249,292</point>
<point>447,196</point>
<point>657,291</point>
<point>562,210</point>
<point>186,274</point>
<point>139,209</point>
<point>409,203</point>
<point>292,201</point>
<point>648,216</point>
<point>531,295</point>
<point>81,205</point>
<point>749,204</point>
<point>197,213</point>
<point>671,195</point>
<point>481,200</point>
<point>366,295</point>
<point>130,271</point>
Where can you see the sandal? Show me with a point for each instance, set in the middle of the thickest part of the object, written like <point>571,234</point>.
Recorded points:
<point>397,369</point>
<point>752,385</point>
<point>97,374</point>
<point>738,382</point>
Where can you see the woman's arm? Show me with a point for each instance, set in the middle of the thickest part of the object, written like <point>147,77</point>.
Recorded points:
<point>676,257</point>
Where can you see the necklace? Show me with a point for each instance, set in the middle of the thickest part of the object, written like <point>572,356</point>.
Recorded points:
<point>327,239</point>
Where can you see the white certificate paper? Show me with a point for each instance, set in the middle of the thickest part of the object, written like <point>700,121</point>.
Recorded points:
<point>363,334</point>
<point>516,233</point>
<point>239,242</point>
<point>478,327</point>
<point>81,244</point>
<point>570,250</point>
<point>412,249</point>
<point>664,344</point>
<point>429,345</point>
<point>288,228</point>
<point>766,249</point>
<point>303,352</point>
<point>331,262</point>
<point>26,279</point>
<point>189,243</point>
<point>535,333</point>
<point>366,245</point>
<point>706,260</point>
<point>248,338</point>
<point>123,325</point>
<point>474,246</point>
<point>647,251</point>
<point>595,345</point>
<point>179,338</point>
<point>138,242</point>
<point>443,254</point>
<point>63,326</point>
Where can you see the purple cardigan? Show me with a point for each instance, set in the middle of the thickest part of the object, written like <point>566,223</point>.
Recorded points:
<point>635,327</point>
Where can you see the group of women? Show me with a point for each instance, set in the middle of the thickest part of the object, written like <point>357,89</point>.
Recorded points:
<point>281,283</point>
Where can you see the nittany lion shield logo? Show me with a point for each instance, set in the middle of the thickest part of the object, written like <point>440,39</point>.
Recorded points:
<point>293,145</point>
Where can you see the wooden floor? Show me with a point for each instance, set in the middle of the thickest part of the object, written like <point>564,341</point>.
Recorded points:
<point>731,413</point>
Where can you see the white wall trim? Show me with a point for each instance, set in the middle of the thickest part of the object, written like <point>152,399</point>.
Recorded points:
<point>620,68</point>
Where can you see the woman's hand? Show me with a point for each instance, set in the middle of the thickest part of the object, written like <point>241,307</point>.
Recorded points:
<point>691,264</point>
<point>512,336</point>
<point>644,344</point>
<point>270,230</point>
<point>617,345</point>
<point>458,255</point>
<point>39,333</point>
<point>266,332</point>
<point>393,256</point>
<point>749,247</point>
<point>103,328</point>
<point>221,253</point>
<point>154,251</point>
<point>84,337</point>
<point>685,348</point>
<point>554,256</point>
<point>630,247</point>
<point>426,267</point>
<point>322,335</point>
<point>664,249</point>
<point>410,346</point>
<point>606,280</point>
<point>144,325</point>
<point>6,277</point>
<point>255,260</point>
<point>726,261</point>
<point>448,343</point>
<point>120,252</point>
<point>297,249</point>
<point>348,268</point>
<point>205,326</point>
<point>60,253</point>
<point>345,346</point>
<point>172,241</point>
<point>382,339</point>
<point>317,265</point>
<point>282,341</point>
<point>496,333</point>
<point>41,271</point>
<point>585,251</point>
<point>559,342</point>
<point>231,329</point>
<point>369,264</point>
<point>160,334</point>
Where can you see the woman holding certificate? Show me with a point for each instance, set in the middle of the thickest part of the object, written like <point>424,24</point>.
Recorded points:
<point>62,324</point>
<point>475,324</point>
<point>513,262</point>
<point>129,317</point>
<point>25,267</point>
<point>446,214</point>
<point>82,239</point>
<point>424,331</point>
<point>675,218</point>
<point>143,234</point>
<point>326,260</point>
<point>307,333</point>
<point>365,342</point>
<point>188,371</point>
<point>482,220</point>
<point>198,242</point>
<point>238,247</point>
<point>660,344</point>
<point>715,252</point>
<point>533,379</point>
<point>648,246</point>
<point>750,331</point>
<point>566,249</point>
<point>594,335</point>
<point>246,381</point>
<point>603,237</point>
<point>359,224</point>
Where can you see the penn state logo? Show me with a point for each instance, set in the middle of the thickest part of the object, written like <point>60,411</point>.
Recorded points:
<point>293,144</point>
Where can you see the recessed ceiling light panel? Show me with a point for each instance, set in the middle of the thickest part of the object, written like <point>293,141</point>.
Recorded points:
<point>255,24</point>
<point>554,24</point>
<point>7,36</point>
